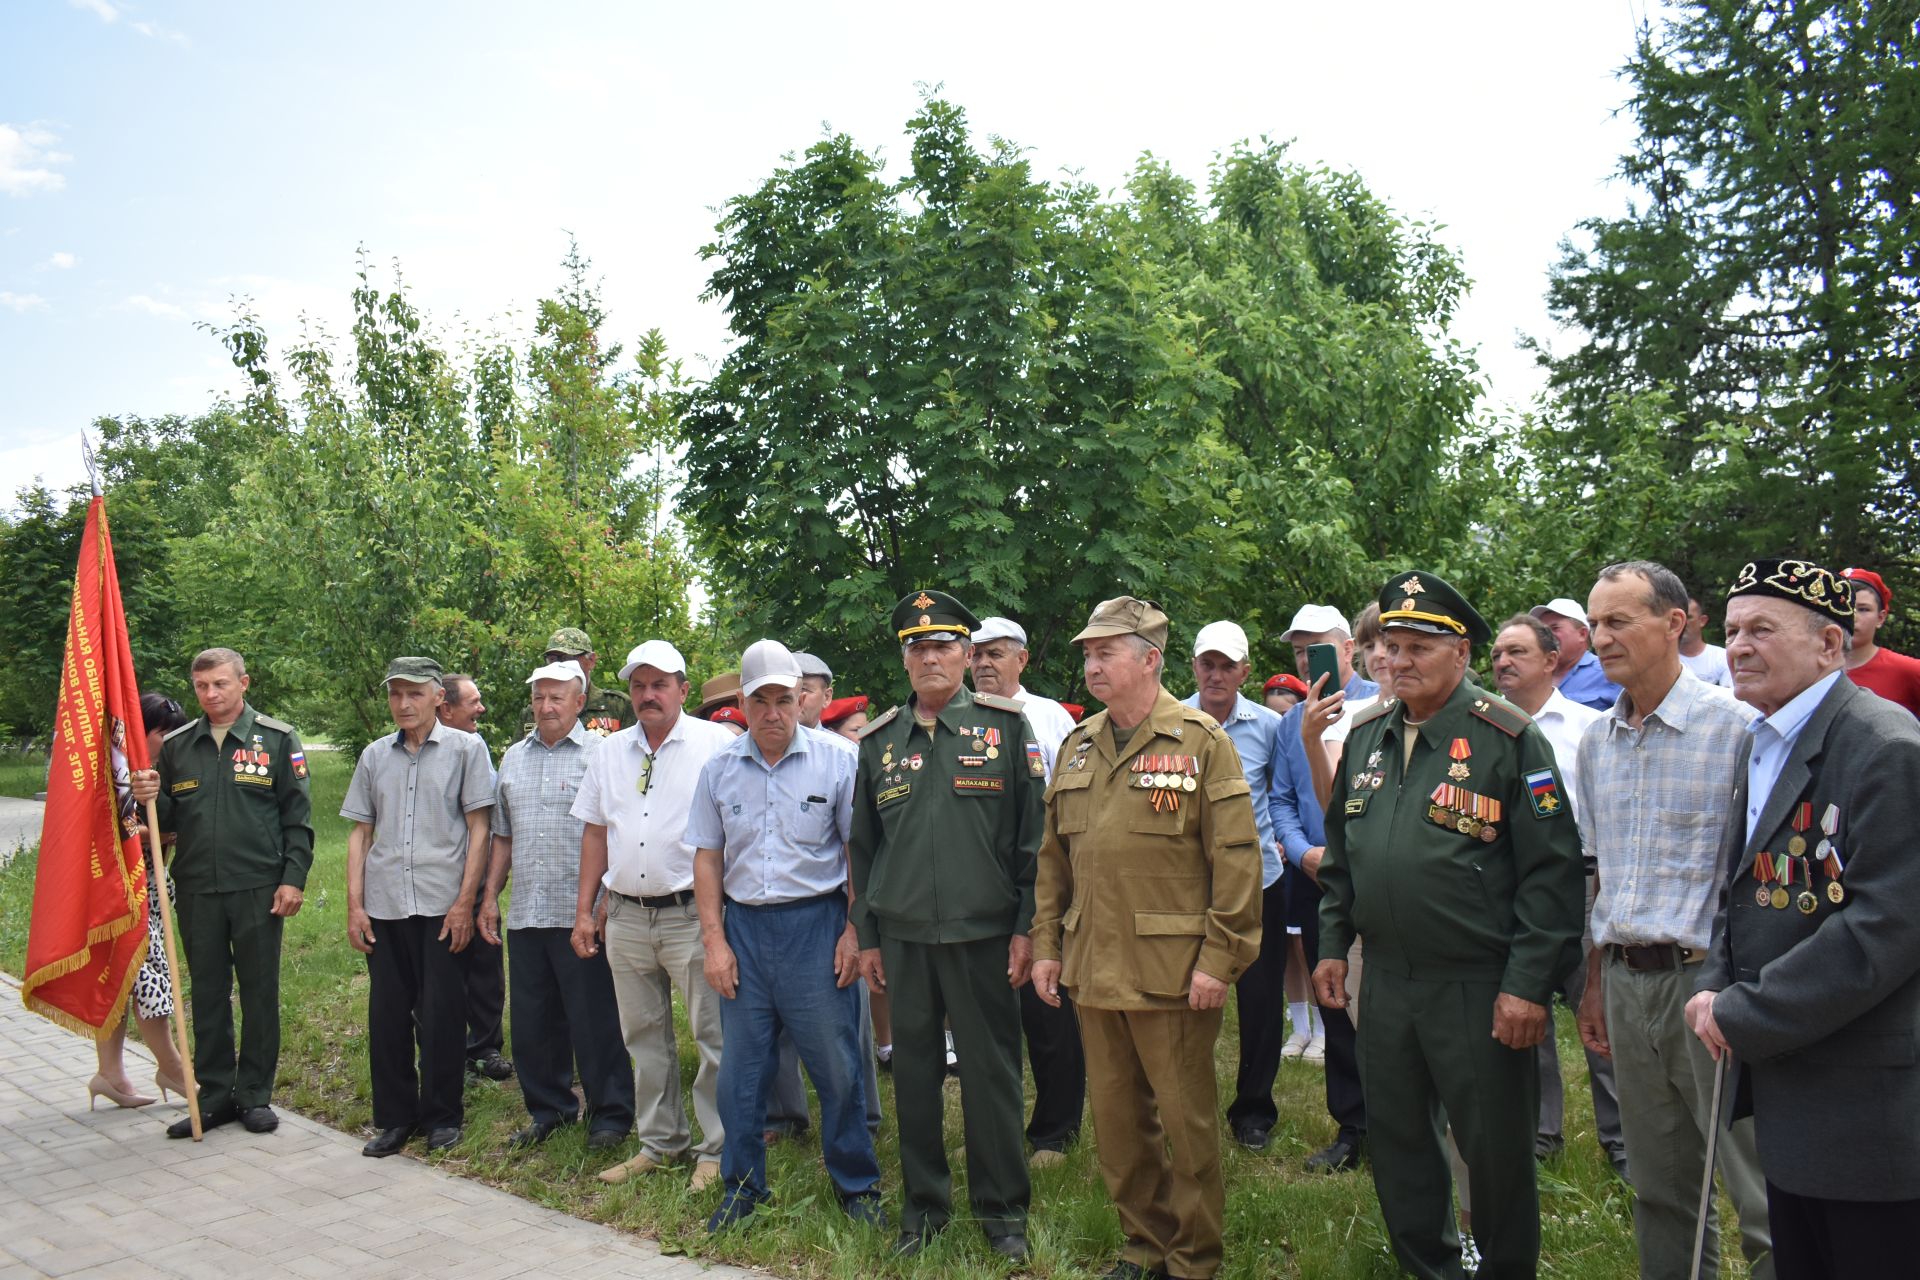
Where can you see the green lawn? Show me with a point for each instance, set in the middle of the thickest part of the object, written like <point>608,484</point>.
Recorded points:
<point>1281,1222</point>
<point>23,773</point>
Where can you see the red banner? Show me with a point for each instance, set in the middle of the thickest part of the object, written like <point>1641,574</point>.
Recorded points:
<point>88,934</point>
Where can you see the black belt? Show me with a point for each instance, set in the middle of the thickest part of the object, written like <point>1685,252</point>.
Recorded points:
<point>1653,956</point>
<point>679,899</point>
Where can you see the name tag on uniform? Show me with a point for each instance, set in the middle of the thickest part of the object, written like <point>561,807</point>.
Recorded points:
<point>893,793</point>
<point>972,782</point>
<point>183,786</point>
<point>254,779</point>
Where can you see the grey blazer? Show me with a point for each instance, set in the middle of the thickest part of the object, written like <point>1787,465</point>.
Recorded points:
<point>1823,1010</point>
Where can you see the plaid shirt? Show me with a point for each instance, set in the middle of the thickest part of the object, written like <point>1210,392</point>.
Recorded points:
<point>1652,805</point>
<point>537,787</point>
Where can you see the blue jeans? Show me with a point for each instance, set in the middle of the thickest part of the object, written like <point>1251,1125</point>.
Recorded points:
<point>785,959</point>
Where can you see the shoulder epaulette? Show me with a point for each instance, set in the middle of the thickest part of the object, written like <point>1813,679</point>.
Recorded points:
<point>875,724</point>
<point>279,726</point>
<point>1374,712</point>
<point>999,703</point>
<point>1502,715</point>
<point>174,733</point>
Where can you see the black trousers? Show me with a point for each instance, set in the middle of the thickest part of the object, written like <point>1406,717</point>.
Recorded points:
<point>416,998</point>
<point>1345,1101</point>
<point>564,1013</point>
<point>484,968</point>
<point>1059,1070</point>
<point>1262,997</point>
<point>1815,1239</point>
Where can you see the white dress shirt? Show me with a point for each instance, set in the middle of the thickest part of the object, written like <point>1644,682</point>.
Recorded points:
<point>1563,721</point>
<point>647,850</point>
<point>1050,721</point>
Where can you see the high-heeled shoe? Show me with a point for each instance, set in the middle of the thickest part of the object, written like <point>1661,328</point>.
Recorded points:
<point>167,1084</point>
<point>100,1087</point>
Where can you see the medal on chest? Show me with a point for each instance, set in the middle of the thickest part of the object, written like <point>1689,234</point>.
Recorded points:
<point>1468,812</point>
<point>1461,750</point>
<point>1166,776</point>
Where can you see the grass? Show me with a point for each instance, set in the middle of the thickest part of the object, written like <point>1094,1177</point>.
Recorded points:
<point>1280,1221</point>
<point>23,773</point>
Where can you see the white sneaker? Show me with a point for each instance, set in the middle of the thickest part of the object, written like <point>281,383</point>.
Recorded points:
<point>1469,1254</point>
<point>1296,1044</point>
<point>1316,1050</point>
<point>953,1059</point>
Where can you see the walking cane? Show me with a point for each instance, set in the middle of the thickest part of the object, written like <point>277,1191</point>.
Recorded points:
<point>1706,1176</point>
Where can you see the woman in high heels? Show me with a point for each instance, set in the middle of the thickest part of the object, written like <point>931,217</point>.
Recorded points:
<point>152,1001</point>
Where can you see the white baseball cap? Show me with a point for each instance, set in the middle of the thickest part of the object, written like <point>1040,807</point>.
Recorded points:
<point>767,662</point>
<point>1313,619</point>
<point>1222,637</point>
<point>657,654</point>
<point>1000,629</point>
<point>1562,606</point>
<point>568,670</point>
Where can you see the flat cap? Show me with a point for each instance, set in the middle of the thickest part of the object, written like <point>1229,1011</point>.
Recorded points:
<point>412,670</point>
<point>1126,616</point>
<point>1000,629</point>
<point>812,666</point>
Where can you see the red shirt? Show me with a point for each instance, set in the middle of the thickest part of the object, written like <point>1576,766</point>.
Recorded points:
<point>1894,676</point>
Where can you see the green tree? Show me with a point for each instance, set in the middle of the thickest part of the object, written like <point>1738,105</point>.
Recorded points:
<point>1764,276</point>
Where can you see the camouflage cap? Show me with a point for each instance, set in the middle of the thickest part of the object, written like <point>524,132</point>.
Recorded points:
<point>1126,616</point>
<point>412,670</point>
<point>571,641</point>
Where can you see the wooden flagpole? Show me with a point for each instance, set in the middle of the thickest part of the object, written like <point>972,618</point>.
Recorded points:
<point>173,971</point>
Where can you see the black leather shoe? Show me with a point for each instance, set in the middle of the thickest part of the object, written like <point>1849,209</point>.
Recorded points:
<point>912,1242</point>
<point>442,1139</point>
<point>1254,1137</point>
<point>183,1127</point>
<point>1548,1145</point>
<point>387,1142</point>
<point>1012,1246</point>
<point>1343,1155</point>
<point>491,1065</point>
<point>259,1119</point>
<point>533,1135</point>
<point>1124,1270</point>
<point>605,1139</point>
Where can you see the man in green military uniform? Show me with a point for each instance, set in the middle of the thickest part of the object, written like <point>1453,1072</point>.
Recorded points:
<point>232,785</point>
<point>1451,853</point>
<point>1147,909</point>
<point>946,820</point>
<point>606,712</point>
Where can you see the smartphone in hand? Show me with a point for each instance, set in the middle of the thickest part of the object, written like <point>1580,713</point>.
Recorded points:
<point>1324,660</point>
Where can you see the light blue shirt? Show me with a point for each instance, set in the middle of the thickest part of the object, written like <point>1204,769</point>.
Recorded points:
<point>782,828</point>
<point>1586,683</point>
<point>1297,814</point>
<point>1255,731</point>
<point>1773,739</point>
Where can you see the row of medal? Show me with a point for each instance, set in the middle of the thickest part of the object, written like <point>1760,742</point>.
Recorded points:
<point>985,741</point>
<point>1167,776</point>
<point>254,760</point>
<point>1775,872</point>
<point>1468,812</point>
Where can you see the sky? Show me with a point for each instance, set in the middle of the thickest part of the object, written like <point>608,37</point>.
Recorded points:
<point>163,160</point>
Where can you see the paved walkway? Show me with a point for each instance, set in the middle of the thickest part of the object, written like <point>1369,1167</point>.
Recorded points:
<point>19,824</point>
<point>104,1193</point>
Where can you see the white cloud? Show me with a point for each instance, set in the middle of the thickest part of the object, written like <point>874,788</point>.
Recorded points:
<point>99,8</point>
<point>27,160</point>
<point>152,306</point>
<point>154,31</point>
<point>21,303</point>
<point>62,261</point>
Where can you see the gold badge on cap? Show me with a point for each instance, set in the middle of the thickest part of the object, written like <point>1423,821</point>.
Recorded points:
<point>923,601</point>
<point>1413,586</point>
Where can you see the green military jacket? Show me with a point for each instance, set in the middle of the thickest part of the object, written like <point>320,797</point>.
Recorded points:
<point>945,827</point>
<point>1463,867</point>
<point>606,713</point>
<point>1139,885</point>
<point>242,810</point>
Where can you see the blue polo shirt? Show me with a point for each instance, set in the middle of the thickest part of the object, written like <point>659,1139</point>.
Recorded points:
<point>1587,684</point>
<point>1254,730</point>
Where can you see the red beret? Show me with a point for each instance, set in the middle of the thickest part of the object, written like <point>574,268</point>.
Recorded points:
<point>840,708</point>
<point>729,715</point>
<point>1869,578</point>
<point>1292,684</point>
<point>1075,710</point>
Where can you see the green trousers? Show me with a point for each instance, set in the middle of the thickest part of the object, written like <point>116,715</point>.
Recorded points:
<point>228,936</point>
<point>1427,1057</point>
<point>965,983</point>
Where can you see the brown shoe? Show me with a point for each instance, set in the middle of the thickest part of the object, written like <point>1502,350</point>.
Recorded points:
<point>642,1163</point>
<point>705,1174</point>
